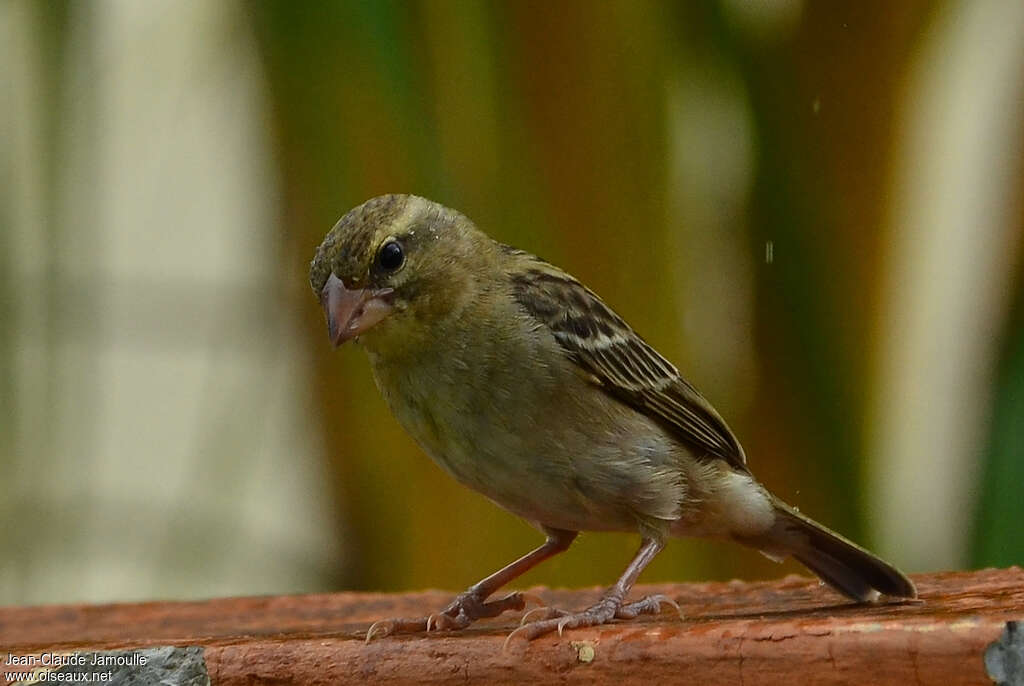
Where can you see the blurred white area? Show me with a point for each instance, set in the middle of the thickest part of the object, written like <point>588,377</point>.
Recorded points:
<point>953,223</point>
<point>160,445</point>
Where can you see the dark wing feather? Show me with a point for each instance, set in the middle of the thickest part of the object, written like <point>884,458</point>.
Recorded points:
<point>623,363</point>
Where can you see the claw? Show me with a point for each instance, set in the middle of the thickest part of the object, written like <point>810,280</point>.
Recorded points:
<point>673,604</point>
<point>508,639</point>
<point>381,628</point>
<point>547,612</point>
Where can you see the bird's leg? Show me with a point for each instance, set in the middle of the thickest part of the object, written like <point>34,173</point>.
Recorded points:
<point>610,606</point>
<point>471,604</point>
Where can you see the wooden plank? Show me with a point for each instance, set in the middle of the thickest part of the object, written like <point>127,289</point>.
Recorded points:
<point>791,631</point>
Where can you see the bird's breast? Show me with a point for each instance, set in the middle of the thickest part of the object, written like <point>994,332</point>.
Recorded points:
<point>536,438</point>
<point>474,418</point>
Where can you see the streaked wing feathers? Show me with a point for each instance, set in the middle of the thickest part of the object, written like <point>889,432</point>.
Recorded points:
<point>623,363</point>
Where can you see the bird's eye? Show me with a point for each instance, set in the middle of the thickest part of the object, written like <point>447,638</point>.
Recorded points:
<point>391,256</point>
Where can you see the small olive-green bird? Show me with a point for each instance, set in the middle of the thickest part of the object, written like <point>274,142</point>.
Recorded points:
<point>523,385</point>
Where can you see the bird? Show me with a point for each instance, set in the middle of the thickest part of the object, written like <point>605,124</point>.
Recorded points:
<point>523,385</point>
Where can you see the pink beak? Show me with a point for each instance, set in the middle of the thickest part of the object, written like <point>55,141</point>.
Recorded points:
<point>350,313</point>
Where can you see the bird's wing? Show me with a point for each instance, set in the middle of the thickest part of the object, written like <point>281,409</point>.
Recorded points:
<point>621,362</point>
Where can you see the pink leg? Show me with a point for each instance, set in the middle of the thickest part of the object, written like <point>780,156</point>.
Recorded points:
<point>470,605</point>
<point>611,606</point>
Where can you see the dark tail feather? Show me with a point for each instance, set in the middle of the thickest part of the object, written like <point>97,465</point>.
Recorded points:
<point>841,563</point>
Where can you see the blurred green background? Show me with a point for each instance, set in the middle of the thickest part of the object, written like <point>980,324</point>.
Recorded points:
<point>814,209</point>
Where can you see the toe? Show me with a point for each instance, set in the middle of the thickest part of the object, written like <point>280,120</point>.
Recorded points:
<point>387,627</point>
<point>651,605</point>
<point>379,629</point>
<point>541,613</point>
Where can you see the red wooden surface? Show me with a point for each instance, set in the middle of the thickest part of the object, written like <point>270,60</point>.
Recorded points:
<point>792,631</point>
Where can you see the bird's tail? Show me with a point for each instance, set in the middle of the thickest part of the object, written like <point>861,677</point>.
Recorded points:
<point>841,563</point>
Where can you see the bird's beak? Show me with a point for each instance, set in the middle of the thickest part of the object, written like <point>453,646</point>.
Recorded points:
<point>350,313</point>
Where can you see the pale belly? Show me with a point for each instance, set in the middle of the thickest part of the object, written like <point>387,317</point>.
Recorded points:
<point>556,461</point>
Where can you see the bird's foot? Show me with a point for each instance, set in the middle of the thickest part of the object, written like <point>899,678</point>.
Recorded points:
<point>602,612</point>
<point>460,613</point>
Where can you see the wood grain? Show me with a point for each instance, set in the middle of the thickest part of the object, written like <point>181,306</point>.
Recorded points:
<point>784,632</point>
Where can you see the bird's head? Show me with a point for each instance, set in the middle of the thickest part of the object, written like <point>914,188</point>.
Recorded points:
<point>393,267</point>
